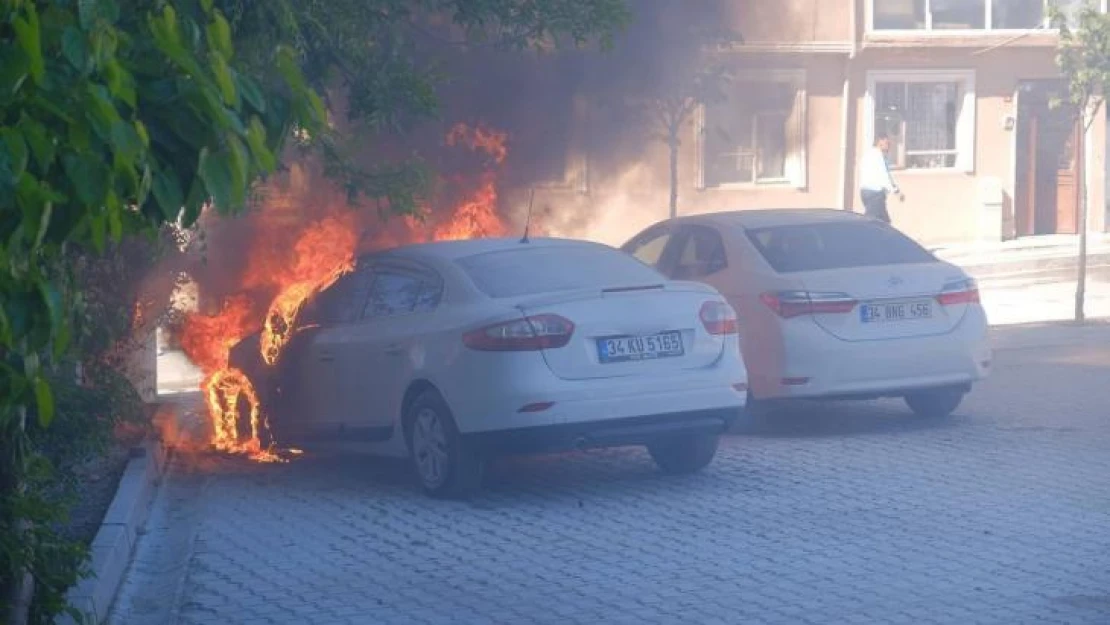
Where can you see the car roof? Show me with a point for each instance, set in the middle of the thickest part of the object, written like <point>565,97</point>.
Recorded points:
<point>767,218</point>
<point>455,250</point>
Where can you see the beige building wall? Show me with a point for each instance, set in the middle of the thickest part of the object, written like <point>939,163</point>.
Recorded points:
<point>944,206</point>
<point>827,42</point>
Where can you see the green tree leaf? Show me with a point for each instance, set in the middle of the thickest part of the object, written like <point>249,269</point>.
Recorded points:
<point>40,141</point>
<point>44,401</point>
<point>168,194</point>
<point>218,174</point>
<point>16,149</point>
<point>74,49</point>
<point>89,176</point>
<point>219,36</point>
<point>29,38</point>
<point>125,140</point>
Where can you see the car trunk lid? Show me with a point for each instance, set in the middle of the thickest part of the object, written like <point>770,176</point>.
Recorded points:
<point>893,302</point>
<point>630,329</point>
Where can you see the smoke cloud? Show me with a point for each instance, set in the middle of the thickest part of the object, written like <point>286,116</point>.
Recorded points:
<point>576,135</point>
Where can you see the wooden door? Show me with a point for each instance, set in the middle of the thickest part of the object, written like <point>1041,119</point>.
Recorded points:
<point>1048,162</point>
<point>1067,184</point>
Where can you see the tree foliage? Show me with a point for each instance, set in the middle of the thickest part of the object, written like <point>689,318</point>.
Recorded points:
<point>369,59</point>
<point>1083,56</point>
<point>120,117</point>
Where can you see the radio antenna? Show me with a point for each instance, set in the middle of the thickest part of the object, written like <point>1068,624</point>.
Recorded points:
<point>528,219</point>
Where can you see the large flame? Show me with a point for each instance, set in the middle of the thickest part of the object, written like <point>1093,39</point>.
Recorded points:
<point>290,265</point>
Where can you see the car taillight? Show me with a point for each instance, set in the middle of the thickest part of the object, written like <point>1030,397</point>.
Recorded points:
<point>787,304</point>
<point>964,291</point>
<point>522,335</point>
<point>718,318</point>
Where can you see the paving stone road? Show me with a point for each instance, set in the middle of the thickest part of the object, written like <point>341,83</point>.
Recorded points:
<point>848,513</point>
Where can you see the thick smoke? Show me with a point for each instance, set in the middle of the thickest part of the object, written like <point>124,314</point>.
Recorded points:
<point>560,109</point>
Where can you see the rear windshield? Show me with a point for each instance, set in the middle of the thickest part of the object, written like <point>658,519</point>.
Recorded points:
<point>535,270</point>
<point>812,247</point>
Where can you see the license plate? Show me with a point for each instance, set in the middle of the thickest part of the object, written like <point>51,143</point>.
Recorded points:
<point>626,348</point>
<point>896,311</point>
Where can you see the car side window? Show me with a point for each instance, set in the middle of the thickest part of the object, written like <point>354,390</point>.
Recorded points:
<point>649,248</point>
<point>701,254</point>
<point>399,292</point>
<point>341,302</point>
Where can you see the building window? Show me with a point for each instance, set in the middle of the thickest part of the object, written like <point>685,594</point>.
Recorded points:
<point>946,15</point>
<point>929,117</point>
<point>756,135</point>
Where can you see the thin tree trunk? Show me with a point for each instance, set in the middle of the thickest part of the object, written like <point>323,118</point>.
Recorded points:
<point>1081,279</point>
<point>673,143</point>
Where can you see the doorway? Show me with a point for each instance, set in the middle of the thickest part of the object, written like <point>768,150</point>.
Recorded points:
<point>1046,191</point>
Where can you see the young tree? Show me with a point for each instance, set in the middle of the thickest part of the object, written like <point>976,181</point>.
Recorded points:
<point>672,110</point>
<point>687,70</point>
<point>1083,56</point>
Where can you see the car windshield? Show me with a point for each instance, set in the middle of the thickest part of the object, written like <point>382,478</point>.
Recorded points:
<point>835,245</point>
<point>546,269</point>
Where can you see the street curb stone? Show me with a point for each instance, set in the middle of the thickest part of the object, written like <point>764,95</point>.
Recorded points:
<point>1042,335</point>
<point>114,543</point>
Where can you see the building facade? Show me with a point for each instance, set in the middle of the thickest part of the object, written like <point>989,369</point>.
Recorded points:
<point>965,89</point>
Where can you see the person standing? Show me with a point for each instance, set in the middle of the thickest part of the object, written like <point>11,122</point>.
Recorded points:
<point>875,180</point>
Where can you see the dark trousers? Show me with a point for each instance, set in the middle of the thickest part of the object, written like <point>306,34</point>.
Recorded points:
<point>874,204</point>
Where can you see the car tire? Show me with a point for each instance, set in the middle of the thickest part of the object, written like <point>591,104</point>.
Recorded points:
<point>265,405</point>
<point>445,465</point>
<point>935,403</point>
<point>685,454</point>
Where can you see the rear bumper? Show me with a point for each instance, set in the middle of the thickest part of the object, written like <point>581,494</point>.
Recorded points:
<point>825,367</point>
<point>598,434</point>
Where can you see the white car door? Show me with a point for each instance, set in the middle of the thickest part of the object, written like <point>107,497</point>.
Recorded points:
<point>386,345</point>
<point>321,363</point>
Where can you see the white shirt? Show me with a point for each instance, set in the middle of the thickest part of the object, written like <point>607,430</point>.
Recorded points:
<point>874,175</point>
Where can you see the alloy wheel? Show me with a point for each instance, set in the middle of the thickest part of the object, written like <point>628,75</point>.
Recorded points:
<point>429,446</point>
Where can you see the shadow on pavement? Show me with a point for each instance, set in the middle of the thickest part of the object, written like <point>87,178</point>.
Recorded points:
<point>847,418</point>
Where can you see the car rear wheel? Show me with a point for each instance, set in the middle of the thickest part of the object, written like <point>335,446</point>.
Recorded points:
<point>684,454</point>
<point>935,403</point>
<point>440,457</point>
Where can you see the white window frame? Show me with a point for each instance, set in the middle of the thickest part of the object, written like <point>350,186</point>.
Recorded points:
<point>797,79</point>
<point>965,123</point>
<point>869,7</point>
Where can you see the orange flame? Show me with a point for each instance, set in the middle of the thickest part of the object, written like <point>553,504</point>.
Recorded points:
<point>295,265</point>
<point>475,218</point>
<point>223,390</point>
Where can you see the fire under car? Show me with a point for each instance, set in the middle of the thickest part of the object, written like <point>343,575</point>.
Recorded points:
<point>452,352</point>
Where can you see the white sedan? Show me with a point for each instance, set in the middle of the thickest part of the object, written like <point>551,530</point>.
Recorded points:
<point>832,305</point>
<point>450,352</point>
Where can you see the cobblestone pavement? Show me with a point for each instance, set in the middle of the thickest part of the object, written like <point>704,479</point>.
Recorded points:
<point>849,513</point>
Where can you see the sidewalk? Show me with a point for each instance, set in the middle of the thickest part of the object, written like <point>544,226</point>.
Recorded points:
<point>1010,302</point>
<point>1047,258</point>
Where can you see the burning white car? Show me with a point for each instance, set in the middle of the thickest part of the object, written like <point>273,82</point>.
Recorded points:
<point>452,351</point>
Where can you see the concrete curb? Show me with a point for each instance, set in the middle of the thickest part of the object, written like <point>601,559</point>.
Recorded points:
<point>114,543</point>
<point>1054,267</point>
<point>1042,335</point>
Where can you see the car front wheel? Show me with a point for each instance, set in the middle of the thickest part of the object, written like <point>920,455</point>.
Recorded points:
<point>444,465</point>
<point>935,403</point>
<point>685,454</point>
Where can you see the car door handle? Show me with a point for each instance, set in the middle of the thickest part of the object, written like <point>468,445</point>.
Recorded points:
<point>394,350</point>
<point>326,357</point>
